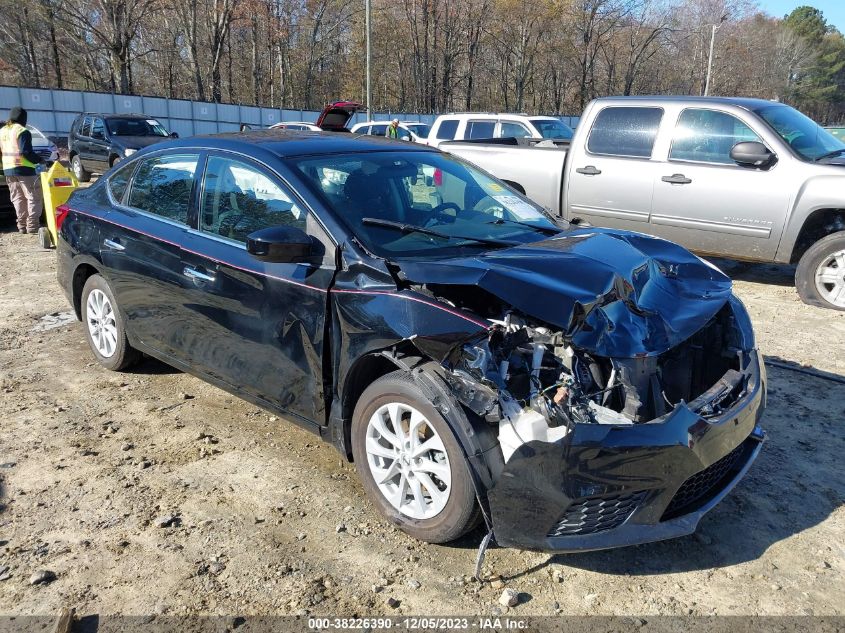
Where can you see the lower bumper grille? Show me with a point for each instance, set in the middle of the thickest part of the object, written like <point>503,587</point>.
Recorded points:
<point>597,514</point>
<point>696,490</point>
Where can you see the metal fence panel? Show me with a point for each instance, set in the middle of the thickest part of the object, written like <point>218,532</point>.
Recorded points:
<point>180,109</point>
<point>95,102</point>
<point>67,101</point>
<point>182,127</point>
<point>205,127</point>
<point>250,115</point>
<point>124,104</point>
<point>230,113</point>
<point>155,106</point>
<point>35,99</point>
<point>205,111</point>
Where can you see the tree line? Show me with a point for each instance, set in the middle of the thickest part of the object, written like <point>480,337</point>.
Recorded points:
<point>538,56</point>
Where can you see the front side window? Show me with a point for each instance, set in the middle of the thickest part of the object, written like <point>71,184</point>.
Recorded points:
<point>238,199</point>
<point>625,131</point>
<point>480,129</point>
<point>372,193</point>
<point>162,186</point>
<point>119,181</point>
<point>86,127</point>
<point>512,129</point>
<point>420,129</point>
<point>553,129</point>
<point>708,136</point>
<point>447,129</point>
<point>98,130</point>
<point>806,137</point>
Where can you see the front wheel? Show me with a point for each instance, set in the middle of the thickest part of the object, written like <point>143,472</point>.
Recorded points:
<point>410,463</point>
<point>104,327</point>
<point>820,276</point>
<point>79,170</point>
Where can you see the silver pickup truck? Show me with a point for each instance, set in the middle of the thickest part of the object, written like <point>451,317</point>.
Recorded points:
<point>740,178</point>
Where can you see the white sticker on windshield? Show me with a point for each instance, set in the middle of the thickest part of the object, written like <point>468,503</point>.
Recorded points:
<point>517,206</point>
<point>152,121</point>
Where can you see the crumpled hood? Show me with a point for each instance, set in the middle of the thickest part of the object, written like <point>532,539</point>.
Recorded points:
<point>614,293</point>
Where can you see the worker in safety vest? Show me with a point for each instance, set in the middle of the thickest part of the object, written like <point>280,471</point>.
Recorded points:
<point>393,129</point>
<point>19,161</point>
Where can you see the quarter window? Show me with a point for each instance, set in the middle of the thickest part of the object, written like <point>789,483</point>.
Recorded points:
<point>239,199</point>
<point>162,186</point>
<point>447,129</point>
<point>119,181</point>
<point>708,136</point>
<point>480,129</point>
<point>625,131</point>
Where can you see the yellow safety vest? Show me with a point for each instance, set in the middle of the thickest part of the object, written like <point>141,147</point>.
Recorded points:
<point>10,148</point>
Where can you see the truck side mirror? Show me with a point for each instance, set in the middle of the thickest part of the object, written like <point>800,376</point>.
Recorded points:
<point>752,154</point>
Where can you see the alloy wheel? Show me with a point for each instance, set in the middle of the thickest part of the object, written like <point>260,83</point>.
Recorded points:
<point>408,461</point>
<point>101,323</point>
<point>830,278</point>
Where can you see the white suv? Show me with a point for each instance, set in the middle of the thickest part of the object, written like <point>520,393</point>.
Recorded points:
<point>470,125</point>
<point>408,130</point>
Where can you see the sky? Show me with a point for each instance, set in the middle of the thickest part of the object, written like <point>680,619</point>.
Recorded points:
<point>833,10</point>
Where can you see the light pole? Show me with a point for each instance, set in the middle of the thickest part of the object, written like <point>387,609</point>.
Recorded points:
<point>714,28</point>
<point>367,21</point>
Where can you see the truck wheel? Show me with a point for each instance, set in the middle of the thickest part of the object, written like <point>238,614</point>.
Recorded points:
<point>820,277</point>
<point>104,327</point>
<point>79,170</point>
<point>410,462</point>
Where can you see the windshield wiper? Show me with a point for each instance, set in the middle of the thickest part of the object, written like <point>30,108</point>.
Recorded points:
<point>412,228</point>
<point>835,152</point>
<point>548,230</point>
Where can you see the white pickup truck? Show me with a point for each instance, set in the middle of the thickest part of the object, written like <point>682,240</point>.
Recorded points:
<point>740,178</point>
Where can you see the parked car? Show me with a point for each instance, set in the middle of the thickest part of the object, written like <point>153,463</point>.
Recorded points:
<point>741,178</point>
<point>295,125</point>
<point>97,141</point>
<point>486,125</point>
<point>336,116</point>
<point>590,388</point>
<point>409,130</point>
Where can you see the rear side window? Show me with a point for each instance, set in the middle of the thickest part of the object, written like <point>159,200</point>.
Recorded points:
<point>480,129</point>
<point>86,127</point>
<point>447,129</point>
<point>622,131</point>
<point>707,136</point>
<point>119,181</point>
<point>379,130</point>
<point>162,186</point>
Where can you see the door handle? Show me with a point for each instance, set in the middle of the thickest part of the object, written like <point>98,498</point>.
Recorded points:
<point>113,245</point>
<point>589,170</point>
<point>193,273</point>
<point>677,179</point>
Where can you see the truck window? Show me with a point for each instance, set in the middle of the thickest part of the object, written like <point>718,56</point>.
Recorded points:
<point>447,129</point>
<point>625,131</point>
<point>512,129</point>
<point>707,136</point>
<point>480,129</point>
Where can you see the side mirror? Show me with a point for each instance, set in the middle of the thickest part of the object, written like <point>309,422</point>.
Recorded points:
<point>752,154</point>
<point>280,245</point>
<point>174,135</point>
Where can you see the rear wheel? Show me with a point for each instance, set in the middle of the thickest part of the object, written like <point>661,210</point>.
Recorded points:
<point>114,160</point>
<point>410,462</point>
<point>79,170</point>
<point>820,276</point>
<point>104,327</point>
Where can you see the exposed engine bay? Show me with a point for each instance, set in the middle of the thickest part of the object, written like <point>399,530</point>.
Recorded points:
<point>531,381</point>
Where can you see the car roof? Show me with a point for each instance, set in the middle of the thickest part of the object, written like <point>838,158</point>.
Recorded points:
<point>122,115</point>
<point>743,102</point>
<point>286,143</point>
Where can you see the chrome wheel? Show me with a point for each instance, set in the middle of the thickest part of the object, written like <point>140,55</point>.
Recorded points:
<point>101,323</point>
<point>408,461</point>
<point>76,163</point>
<point>830,278</point>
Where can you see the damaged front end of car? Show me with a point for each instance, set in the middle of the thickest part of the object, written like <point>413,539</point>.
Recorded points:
<point>617,443</point>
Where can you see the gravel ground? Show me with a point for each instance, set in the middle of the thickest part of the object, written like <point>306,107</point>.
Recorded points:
<point>152,492</point>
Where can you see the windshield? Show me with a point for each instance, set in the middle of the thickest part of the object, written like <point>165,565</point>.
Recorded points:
<point>805,136</point>
<point>420,129</point>
<point>552,128</point>
<point>36,134</point>
<point>427,190</point>
<point>135,127</point>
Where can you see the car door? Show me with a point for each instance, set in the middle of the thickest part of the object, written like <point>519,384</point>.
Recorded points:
<point>99,146</point>
<point>83,142</point>
<point>141,250</point>
<point>706,201</point>
<point>610,179</point>
<point>256,326</point>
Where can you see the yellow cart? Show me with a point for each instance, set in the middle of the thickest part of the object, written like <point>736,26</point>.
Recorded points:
<point>57,183</point>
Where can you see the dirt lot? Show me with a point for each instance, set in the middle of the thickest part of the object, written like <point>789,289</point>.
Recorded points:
<point>270,521</point>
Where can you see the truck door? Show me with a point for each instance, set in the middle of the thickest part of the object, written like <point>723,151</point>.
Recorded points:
<point>610,178</point>
<point>706,201</point>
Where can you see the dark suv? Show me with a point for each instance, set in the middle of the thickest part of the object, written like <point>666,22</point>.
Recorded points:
<point>97,141</point>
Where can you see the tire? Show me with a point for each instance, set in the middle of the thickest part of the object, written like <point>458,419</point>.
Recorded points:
<point>104,326</point>
<point>820,276</point>
<point>435,517</point>
<point>44,238</point>
<point>114,160</point>
<point>79,170</point>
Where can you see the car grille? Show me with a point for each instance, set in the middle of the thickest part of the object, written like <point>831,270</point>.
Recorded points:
<point>697,488</point>
<point>597,514</point>
<point>43,153</point>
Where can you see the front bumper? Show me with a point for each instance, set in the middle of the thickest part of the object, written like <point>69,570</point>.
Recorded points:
<point>609,486</point>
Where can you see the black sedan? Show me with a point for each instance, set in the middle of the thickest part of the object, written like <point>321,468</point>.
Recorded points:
<point>573,387</point>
